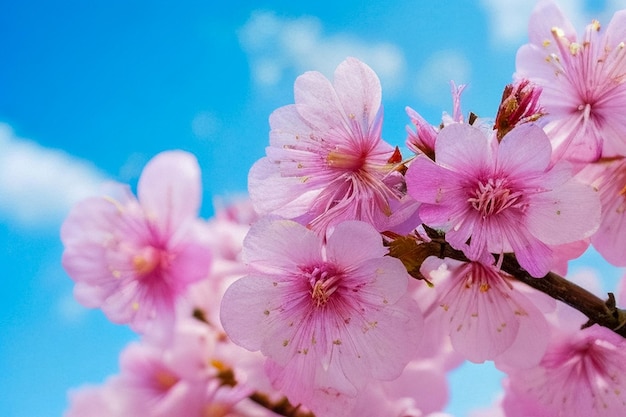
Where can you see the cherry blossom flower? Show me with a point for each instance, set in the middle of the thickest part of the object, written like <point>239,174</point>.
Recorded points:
<point>133,257</point>
<point>582,374</point>
<point>179,377</point>
<point>96,401</point>
<point>584,93</point>
<point>498,197</point>
<point>486,316</point>
<point>327,161</point>
<point>329,316</point>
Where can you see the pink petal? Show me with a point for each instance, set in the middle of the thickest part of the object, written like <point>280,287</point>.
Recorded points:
<point>532,338</point>
<point>464,148</point>
<point>525,150</point>
<point>483,323</point>
<point>354,242</point>
<point>568,213</point>
<point>616,30</point>
<point>544,17</point>
<point>270,192</point>
<point>250,315</point>
<point>317,102</point>
<point>430,183</point>
<point>276,246</point>
<point>530,62</point>
<point>358,90</point>
<point>191,262</point>
<point>169,189</point>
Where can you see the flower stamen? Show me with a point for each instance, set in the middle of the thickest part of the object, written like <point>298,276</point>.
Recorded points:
<point>493,196</point>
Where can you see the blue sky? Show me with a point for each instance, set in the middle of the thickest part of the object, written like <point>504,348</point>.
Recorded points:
<point>90,91</point>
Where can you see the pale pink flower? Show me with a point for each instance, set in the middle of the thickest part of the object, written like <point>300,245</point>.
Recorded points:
<point>329,316</point>
<point>582,374</point>
<point>327,161</point>
<point>96,401</point>
<point>485,315</point>
<point>133,257</point>
<point>609,177</point>
<point>584,94</point>
<point>180,378</point>
<point>499,197</point>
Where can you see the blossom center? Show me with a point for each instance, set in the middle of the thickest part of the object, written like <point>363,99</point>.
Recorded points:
<point>340,159</point>
<point>148,259</point>
<point>164,380</point>
<point>324,281</point>
<point>493,196</point>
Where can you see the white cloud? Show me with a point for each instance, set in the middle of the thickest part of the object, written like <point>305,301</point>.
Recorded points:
<point>275,45</point>
<point>433,79</point>
<point>69,310</point>
<point>509,19</point>
<point>205,125</point>
<point>39,185</point>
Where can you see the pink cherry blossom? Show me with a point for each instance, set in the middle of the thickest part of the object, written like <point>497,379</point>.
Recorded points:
<point>329,316</point>
<point>486,316</point>
<point>133,257</point>
<point>498,197</point>
<point>584,93</point>
<point>582,374</point>
<point>180,378</point>
<point>96,401</point>
<point>327,161</point>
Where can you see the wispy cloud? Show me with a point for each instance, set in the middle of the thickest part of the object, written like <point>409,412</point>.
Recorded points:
<point>205,126</point>
<point>276,45</point>
<point>39,185</point>
<point>433,79</point>
<point>509,19</point>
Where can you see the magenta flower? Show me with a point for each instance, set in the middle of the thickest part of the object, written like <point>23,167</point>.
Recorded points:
<point>326,161</point>
<point>134,257</point>
<point>584,93</point>
<point>498,197</point>
<point>581,375</point>
<point>329,317</point>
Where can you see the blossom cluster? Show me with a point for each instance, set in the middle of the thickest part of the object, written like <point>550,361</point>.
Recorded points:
<point>355,277</point>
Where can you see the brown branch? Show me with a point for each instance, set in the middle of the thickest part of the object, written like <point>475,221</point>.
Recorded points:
<point>281,407</point>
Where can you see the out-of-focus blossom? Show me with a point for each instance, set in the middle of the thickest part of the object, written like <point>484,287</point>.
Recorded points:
<point>96,401</point>
<point>133,257</point>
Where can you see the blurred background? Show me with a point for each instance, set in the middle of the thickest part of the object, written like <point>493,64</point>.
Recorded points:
<point>91,90</point>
